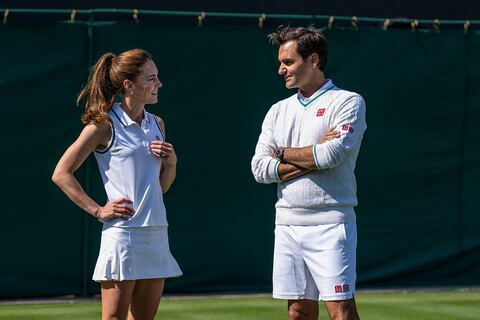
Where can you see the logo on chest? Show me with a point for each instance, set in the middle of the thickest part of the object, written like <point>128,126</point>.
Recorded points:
<point>320,112</point>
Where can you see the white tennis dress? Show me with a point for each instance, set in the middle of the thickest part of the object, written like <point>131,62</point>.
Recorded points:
<point>136,248</point>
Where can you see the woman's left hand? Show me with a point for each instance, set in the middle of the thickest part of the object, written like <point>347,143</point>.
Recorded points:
<point>164,150</point>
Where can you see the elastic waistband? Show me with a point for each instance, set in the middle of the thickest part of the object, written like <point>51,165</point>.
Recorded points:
<point>308,217</point>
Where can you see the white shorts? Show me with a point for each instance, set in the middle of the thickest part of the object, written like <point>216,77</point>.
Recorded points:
<point>135,253</point>
<point>315,262</point>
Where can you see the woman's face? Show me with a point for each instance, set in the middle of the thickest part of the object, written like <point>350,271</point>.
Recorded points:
<point>145,89</point>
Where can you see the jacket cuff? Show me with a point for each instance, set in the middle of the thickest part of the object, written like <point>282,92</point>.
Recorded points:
<point>316,155</point>
<point>273,169</point>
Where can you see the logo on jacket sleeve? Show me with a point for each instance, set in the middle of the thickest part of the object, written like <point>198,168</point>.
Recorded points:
<point>347,128</point>
<point>320,112</point>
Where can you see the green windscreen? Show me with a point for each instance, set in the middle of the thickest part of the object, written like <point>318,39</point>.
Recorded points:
<point>417,171</point>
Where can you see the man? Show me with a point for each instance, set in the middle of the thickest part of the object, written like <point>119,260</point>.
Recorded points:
<point>309,145</point>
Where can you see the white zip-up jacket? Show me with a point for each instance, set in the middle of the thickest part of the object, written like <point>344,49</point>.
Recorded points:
<point>322,196</point>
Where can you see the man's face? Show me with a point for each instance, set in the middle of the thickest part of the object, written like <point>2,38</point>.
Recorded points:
<point>293,68</point>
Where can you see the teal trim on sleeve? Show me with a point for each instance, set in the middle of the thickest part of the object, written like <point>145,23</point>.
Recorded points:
<point>315,156</point>
<point>276,170</point>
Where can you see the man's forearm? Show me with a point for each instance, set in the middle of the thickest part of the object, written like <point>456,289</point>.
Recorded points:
<point>289,171</point>
<point>300,157</point>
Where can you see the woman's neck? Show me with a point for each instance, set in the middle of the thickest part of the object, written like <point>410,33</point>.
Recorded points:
<point>134,110</point>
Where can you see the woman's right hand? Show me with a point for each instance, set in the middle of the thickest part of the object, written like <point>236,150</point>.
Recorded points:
<point>116,209</point>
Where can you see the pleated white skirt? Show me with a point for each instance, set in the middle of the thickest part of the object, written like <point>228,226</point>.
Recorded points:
<point>135,253</point>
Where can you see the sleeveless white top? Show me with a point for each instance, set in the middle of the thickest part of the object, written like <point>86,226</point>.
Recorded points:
<point>129,169</point>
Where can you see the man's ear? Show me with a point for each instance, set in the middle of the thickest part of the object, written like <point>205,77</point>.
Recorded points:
<point>314,59</point>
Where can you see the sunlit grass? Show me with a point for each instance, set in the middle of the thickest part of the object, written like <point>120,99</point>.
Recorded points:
<point>443,305</point>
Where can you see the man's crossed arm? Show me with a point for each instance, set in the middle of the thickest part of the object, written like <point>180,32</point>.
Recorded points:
<point>296,162</point>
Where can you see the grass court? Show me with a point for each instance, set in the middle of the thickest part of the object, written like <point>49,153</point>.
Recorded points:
<point>445,305</point>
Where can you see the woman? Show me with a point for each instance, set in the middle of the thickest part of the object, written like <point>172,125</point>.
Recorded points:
<point>137,165</point>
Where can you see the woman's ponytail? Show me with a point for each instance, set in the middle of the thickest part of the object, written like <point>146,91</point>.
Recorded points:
<point>99,93</point>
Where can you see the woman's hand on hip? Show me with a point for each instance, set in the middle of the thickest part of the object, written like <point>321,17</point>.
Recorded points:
<point>118,208</point>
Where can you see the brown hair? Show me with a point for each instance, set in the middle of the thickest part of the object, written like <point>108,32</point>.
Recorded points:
<point>309,41</point>
<point>105,82</point>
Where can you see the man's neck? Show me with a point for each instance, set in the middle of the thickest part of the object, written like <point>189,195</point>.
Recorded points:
<point>313,86</point>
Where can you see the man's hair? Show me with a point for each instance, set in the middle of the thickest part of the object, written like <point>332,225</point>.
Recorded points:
<point>309,41</point>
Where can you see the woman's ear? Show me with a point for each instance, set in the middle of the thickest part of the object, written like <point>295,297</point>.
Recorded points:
<point>128,86</point>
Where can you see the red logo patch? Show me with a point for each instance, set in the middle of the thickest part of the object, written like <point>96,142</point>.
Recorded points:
<point>320,112</point>
<point>347,128</point>
<point>342,288</point>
